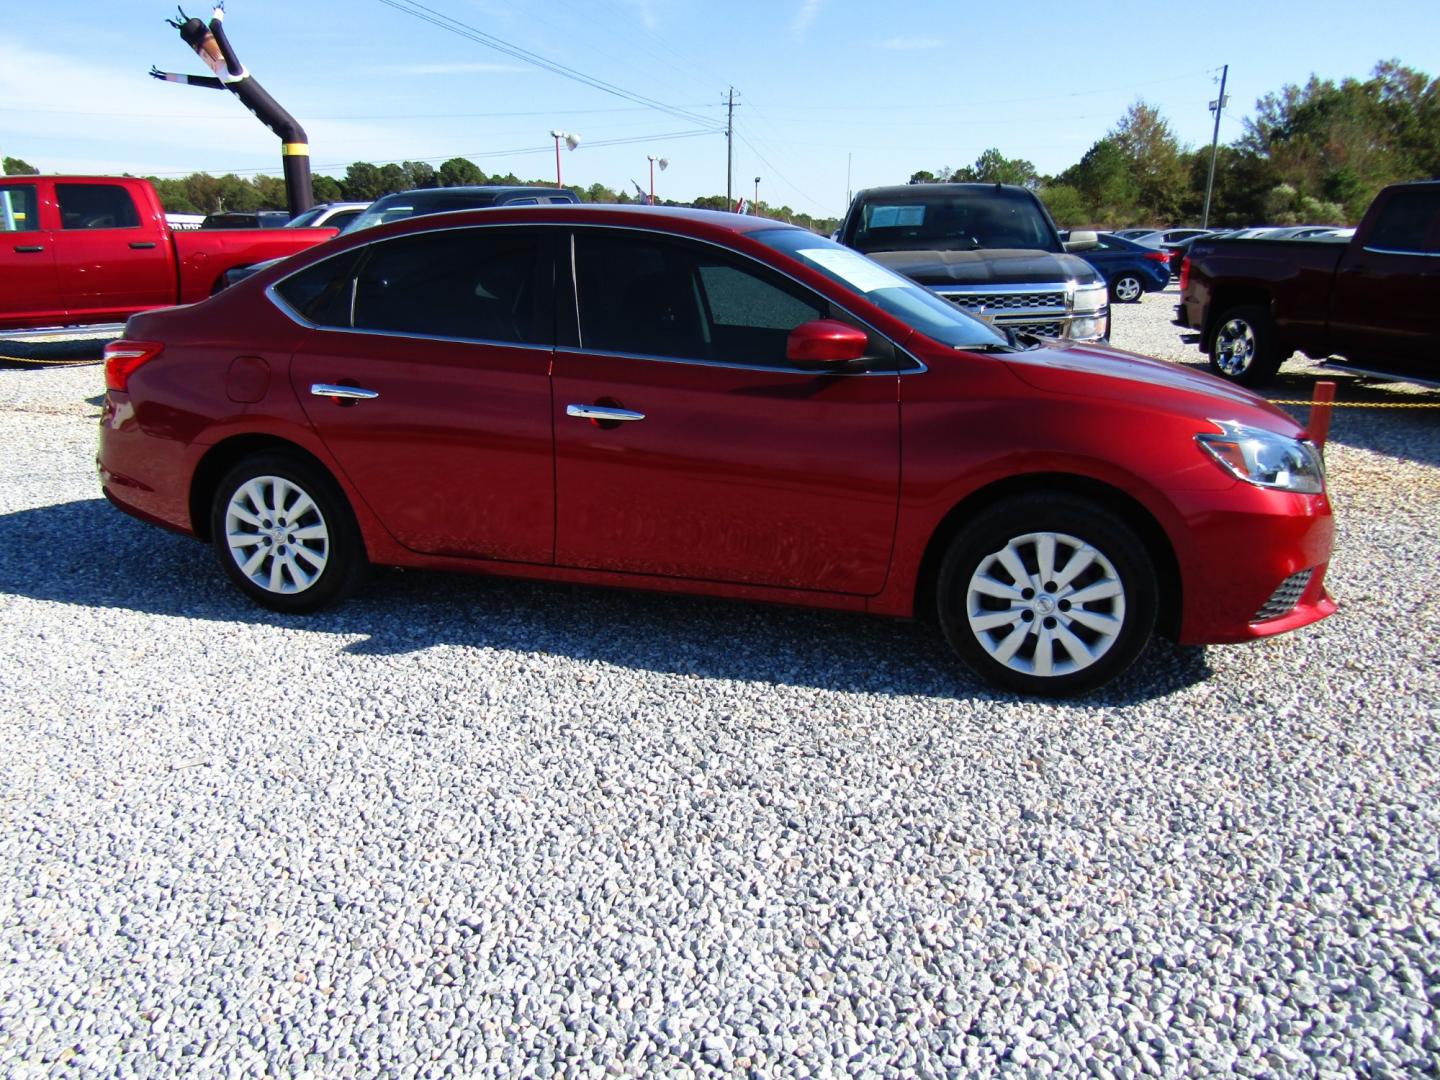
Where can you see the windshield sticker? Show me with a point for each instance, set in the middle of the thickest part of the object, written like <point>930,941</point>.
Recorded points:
<point>854,269</point>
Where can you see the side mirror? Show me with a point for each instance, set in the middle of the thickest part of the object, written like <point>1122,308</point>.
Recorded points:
<point>825,342</point>
<point>1082,240</point>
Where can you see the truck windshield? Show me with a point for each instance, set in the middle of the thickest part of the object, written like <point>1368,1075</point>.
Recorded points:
<point>899,296</point>
<point>949,220</point>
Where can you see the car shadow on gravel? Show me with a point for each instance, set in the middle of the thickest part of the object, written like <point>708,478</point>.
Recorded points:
<point>96,556</point>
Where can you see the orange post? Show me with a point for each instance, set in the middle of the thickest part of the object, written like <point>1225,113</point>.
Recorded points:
<point>1318,428</point>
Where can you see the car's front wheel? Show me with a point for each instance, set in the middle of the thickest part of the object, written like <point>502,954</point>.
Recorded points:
<point>284,533</point>
<point>1047,594</point>
<point>1126,289</point>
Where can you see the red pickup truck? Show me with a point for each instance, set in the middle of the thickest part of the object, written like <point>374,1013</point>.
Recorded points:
<point>88,249</point>
<point>1372,301</point>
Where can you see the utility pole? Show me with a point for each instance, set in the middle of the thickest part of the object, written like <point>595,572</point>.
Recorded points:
<point>730,151</point>
<point>1217,107</point>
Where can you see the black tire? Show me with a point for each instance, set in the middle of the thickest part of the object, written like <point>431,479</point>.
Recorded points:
<point>1243,349</point>
<point>1126,289</point>
<point>308,561</point>
<point>1034,627</point>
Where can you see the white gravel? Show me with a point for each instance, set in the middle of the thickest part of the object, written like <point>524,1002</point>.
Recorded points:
<point>471,827</point>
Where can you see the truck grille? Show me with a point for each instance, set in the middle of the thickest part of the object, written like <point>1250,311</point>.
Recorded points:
<point>1038,311</point>
<point>1283,600</point>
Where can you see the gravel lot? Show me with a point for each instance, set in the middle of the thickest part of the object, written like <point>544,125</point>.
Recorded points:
<point>480,827</point>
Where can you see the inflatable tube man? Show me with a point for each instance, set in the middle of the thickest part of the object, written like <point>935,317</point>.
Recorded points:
<point>212,46</point>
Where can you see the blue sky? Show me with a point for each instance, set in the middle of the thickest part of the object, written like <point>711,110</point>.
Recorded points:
<point>824,86</point>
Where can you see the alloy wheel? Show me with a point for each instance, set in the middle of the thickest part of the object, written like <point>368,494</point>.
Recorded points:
<point>277,535</point>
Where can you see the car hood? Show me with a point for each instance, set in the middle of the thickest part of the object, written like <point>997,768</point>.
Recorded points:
<point>996,266</point>
<point>1099,371</point>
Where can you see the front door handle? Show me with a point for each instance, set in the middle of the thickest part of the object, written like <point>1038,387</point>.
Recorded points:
<point>29,249</point>
<point>602,413</point>
<point>343,393</point>
<point>139,245</point>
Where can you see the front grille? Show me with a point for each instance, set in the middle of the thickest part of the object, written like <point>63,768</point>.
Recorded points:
<point>1044,329</point>
<point>1007,303</point>
<point>1283,600</point>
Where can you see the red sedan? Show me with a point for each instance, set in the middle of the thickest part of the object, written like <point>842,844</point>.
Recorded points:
<point>714,404</point>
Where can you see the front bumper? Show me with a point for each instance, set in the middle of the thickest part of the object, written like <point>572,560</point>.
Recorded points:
<point>1243,546</point>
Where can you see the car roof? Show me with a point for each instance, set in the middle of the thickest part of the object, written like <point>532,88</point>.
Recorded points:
<point>902,191</point>
<point>676,218</point>
<point>471,193</point>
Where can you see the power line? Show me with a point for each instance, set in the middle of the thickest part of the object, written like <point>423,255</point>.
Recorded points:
<point>349,116</point>
<point>517,152</point>
<point>480,37</point>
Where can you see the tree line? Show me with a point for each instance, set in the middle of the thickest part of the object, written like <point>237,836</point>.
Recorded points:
<point>1311,154</point>
<point>1315,153</point>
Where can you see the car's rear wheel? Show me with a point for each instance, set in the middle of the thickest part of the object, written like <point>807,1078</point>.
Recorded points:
<point>1244,350</point>
<point>1126,289</point>
<point>284,533</point>
<point>1047,594</point>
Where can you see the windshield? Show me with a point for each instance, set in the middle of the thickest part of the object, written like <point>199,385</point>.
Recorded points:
<point>899,296</point>
<point>948,220</point>
<point>305,219</point>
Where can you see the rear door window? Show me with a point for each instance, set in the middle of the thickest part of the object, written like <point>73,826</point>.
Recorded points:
<point>96,206</point>
<point>476,284</point>
<point>1409,222</point>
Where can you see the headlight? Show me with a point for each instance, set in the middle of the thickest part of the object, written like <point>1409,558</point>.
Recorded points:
<point>1090,298</point>
<point>1265,458</point>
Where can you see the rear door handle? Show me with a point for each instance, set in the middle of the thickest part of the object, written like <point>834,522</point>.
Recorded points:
<point>29,249</point>
<point>138,244</point>
<point>343,393</point>
<point>602,412</point>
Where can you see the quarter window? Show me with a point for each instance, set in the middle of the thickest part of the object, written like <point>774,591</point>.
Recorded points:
<point>322,293</point>
<point>479,284</point>
<point>19,209</point>
<point>96,206</point>
<point>648,296</point>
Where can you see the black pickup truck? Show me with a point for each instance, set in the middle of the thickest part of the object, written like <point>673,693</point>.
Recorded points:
<point>990,249</point>
<point>1374,300</point>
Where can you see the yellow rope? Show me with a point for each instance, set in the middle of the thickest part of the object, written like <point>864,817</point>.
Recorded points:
<point>1364,404</point>
<point>57,360</point>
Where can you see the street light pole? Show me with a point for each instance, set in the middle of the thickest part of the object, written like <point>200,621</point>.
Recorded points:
<point>571,140</point>
<point>756,208</point>
<point>652,179</point>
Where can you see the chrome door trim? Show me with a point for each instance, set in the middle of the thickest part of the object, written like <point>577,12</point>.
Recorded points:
<point>602,412</point>
<point>343,393</point>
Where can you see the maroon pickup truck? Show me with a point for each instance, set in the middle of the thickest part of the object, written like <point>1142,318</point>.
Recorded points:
<point>1375,301</point>
<point>87,249</point>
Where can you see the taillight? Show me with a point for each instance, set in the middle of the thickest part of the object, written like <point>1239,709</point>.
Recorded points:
<point>1184,273</point>
<point>123,358</point>
<point>1158,256</point>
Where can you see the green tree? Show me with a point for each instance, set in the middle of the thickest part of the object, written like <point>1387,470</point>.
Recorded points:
<point>459,171</point>
<point>326,189</point>
<point>1103,177</point>
<point>993,167</point>
<point>273,195</point>
<point>420,174</point>
<point>924,176</point>
<point>393,178</point>
<point>1153,154</point>
<point>173,195</point>
<point>1066,205</point>
<point>14,166</point>
<point>362,182</point>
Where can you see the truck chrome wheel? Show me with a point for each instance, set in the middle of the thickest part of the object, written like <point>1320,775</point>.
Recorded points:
<point>1046,604</point>
<point>277,535</point>
<point>1235,347</point>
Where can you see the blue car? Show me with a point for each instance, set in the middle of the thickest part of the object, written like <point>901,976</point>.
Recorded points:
<point>1130,268</point>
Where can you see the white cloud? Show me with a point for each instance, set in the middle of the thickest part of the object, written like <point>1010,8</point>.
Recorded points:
<point>906,44</point>
<point>806,15</point>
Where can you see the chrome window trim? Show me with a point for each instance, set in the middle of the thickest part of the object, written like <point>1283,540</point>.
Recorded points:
<point>294,316</point>
<point>1019,287</point>
<point>1394,251</point>
<point>770,368</point>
